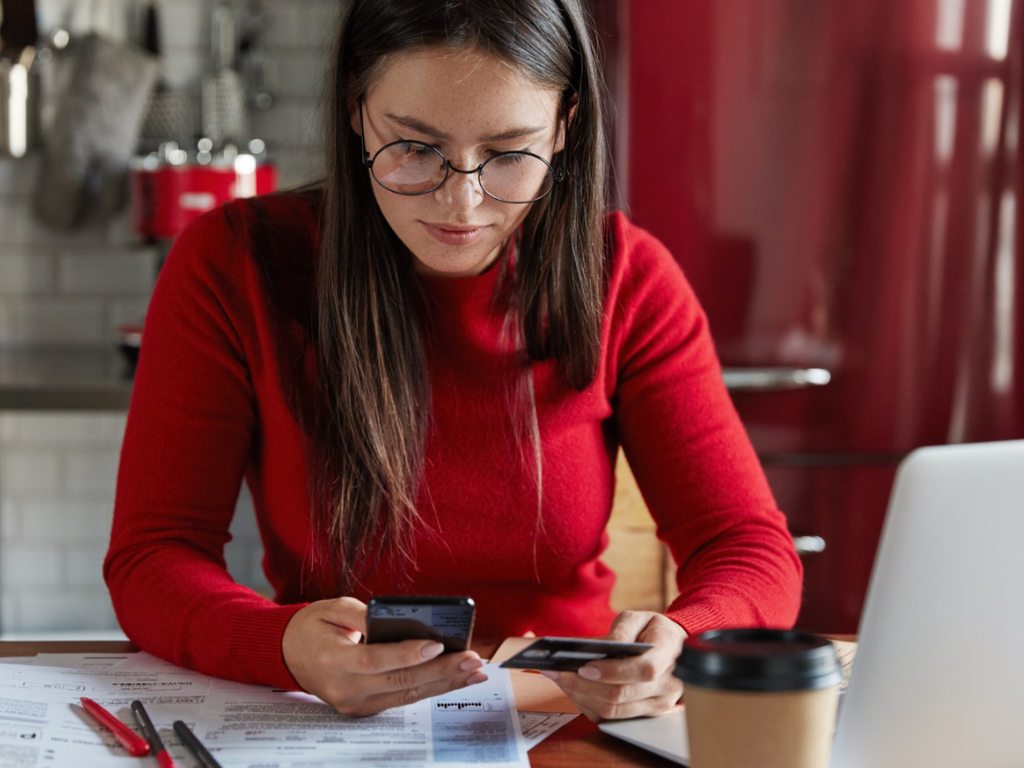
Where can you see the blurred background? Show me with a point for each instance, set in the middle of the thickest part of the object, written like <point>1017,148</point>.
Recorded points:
<point>838,179</point>
<point>74,289</point>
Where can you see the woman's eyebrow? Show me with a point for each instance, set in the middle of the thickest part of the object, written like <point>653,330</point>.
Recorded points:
<point>420,127</point>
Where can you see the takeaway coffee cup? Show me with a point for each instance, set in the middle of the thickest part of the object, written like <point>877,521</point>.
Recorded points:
<point>761,698</point>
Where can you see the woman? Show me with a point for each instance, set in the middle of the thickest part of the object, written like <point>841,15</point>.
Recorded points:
<point>424,374</point>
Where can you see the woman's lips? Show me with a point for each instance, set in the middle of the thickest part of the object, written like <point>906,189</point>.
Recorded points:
<point>453,234</point>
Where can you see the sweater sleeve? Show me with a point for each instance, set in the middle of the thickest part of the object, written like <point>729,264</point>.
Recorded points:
<point>693,461</point>
<point>191,426</point>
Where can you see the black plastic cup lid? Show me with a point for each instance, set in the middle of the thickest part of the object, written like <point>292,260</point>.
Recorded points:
<point>758,660</point>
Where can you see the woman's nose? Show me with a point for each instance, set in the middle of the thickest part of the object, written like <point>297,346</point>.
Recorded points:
<point>461,191</point>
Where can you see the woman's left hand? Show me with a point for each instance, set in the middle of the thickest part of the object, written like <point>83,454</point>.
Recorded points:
<point>642,685</point>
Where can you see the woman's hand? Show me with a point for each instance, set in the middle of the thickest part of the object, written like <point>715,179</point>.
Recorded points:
<point>322,651</point>
<point>642,685</point>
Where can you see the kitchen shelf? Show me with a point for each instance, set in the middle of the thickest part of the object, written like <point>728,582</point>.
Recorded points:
<point>100,379</point>
<point>64,379</point>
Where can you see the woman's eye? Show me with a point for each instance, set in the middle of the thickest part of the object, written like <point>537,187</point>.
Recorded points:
<point>508,158</point>
<point>415,149</point>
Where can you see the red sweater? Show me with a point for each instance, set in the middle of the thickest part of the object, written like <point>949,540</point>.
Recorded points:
<point>209,408</point>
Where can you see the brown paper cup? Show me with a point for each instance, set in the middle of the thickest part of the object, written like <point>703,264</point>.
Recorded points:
<point>733,729</point>
<point>759,698</point>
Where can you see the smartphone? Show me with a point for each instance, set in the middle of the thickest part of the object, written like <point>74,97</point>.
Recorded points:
<point>567,654</point>
<point>449,620</point>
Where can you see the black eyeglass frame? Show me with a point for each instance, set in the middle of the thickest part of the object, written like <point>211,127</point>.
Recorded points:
<point>558,175</point>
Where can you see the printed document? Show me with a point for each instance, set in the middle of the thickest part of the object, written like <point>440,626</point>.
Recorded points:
<point>248,725</point>
<point>42,724</point>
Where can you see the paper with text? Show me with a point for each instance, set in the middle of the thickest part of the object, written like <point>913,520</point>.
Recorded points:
<point>41,723</point>
<point>247,725</point>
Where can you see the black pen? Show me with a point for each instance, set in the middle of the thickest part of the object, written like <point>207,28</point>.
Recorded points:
<point>156,744</point>
<point>192,742</point>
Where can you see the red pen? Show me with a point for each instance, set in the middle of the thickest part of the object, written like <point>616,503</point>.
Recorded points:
<point>135,744</point>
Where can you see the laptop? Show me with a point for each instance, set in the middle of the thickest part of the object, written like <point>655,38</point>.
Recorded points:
<point>664,735</point>
<point>939,673</point>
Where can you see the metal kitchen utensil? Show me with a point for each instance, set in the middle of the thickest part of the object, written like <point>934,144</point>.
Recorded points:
<point>19,104</point>
<point>18,26</point>
<point>168,117</point>
<point>94,131</point>
<point>19,78</point>
<point>257,67</point>
<point>225,120</point>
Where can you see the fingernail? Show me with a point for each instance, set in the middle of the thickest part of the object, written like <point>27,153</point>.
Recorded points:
<point>431,650</point>
<point>479,677</point>
<point>550,674</point>
<point>470,664</point>
<point>589,673</point>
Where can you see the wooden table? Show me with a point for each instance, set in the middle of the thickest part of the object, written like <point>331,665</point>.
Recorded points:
<point>579,743</point>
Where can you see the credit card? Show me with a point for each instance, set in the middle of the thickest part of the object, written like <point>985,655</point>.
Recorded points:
<point>567,654</point>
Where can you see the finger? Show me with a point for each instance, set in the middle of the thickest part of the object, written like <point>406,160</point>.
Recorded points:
<point>345,612</point>
<point>648,667</point>
<point>610,701</point>
<point>371,705</point>
<point>605,710</point>
<point>412,662</point>
<point>659,631</point>
<point>580,689</point>
<point>628,625</point>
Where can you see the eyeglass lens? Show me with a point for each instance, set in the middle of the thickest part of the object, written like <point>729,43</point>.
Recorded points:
<point>412,168</point>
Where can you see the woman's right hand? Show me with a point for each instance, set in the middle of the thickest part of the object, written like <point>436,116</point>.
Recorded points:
<point>321,649</point>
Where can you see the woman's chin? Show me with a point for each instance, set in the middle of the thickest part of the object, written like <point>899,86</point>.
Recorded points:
<point>455,264</point>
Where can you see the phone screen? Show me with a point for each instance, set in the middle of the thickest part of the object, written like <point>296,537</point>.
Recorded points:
<point>449,620</point>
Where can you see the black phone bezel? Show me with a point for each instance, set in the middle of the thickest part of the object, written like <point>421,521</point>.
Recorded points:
<point>386,630</point>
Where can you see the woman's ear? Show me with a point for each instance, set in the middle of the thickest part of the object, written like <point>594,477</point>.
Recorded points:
<point>354,121</point>
<point>563,125</point>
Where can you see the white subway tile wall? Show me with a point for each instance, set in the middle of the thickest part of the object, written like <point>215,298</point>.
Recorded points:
<point>58,469</point>
<point>58,472</point>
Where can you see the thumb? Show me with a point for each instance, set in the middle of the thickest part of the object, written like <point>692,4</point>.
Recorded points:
<point>628,625</point>
<point>345,613</point>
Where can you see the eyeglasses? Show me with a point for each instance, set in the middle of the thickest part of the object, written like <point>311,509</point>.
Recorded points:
<point>415,168</point>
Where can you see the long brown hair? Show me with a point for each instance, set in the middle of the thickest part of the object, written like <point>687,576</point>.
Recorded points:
<point>374,393</point>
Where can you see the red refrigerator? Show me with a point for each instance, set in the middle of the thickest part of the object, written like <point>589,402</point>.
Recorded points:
<point>839,180</point>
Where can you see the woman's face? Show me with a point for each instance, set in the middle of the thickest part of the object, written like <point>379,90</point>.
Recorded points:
<point>469,105</point>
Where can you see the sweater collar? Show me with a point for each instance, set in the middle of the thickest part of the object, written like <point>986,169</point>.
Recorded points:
<point>473,289</point>
<point>468,290</point>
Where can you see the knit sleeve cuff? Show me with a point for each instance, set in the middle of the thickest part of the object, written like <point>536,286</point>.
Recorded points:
<point>256,638</point>
<point>696,617</point>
